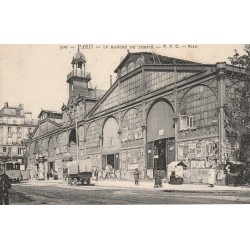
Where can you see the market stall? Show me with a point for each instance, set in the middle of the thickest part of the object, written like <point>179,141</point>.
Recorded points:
<point>175,172</point>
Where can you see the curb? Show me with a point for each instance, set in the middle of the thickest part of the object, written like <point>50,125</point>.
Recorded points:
<point>201,191</point>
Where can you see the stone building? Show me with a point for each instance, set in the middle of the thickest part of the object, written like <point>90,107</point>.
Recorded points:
<point>159,109</point>
<point>15,126</point>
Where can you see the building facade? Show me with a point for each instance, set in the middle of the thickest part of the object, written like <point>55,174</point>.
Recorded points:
<point>159,109</point>
<point>16,125</point>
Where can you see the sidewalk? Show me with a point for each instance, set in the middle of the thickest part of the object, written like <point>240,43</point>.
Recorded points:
<point>168,187</point>
<point>149,185</point>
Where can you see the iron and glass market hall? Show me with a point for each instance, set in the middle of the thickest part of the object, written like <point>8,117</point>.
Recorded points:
<point>158,110</point>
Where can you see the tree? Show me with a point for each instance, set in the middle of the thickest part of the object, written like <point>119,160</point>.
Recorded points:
<point>242,61</point>
<point>237,110</point>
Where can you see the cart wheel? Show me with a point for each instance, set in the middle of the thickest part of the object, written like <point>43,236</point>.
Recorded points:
<point>88,182</point>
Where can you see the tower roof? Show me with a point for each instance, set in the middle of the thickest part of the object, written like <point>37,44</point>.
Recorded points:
<point>79,57</point>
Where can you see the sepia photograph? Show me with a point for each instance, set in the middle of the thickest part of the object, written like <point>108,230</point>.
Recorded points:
<point>124,124</point>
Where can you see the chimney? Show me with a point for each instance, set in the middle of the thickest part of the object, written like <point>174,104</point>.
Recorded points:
<point>6,104</point>
<point>21,106</point>
<point>110,81</point>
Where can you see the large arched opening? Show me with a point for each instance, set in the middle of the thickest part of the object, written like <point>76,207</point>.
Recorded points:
<point>160,137</point>
<point>51,156</point>
<point>73,144</point>
<point>111,144</point>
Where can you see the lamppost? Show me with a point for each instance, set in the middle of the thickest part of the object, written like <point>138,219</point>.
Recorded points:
<point>24,153</point>
<point>176,117</point>
<point>74,108</point>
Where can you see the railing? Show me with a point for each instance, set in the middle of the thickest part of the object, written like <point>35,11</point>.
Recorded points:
<point>79,74</point>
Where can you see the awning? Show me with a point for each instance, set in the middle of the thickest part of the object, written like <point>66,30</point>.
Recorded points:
<point>67,157</point>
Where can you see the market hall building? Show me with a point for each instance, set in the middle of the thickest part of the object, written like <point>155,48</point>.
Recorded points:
<point>158,110</point>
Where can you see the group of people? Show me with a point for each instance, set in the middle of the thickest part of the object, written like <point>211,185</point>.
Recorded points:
<point>51,175</point>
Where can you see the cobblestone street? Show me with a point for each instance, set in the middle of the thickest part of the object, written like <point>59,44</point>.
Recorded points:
<point>58,193</point>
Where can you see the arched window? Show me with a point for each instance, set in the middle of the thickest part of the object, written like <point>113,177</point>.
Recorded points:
<point>36,148</point>
<point>160,123</point>
<point>72,136</point>
<point>110,133</point>
<point>198,108</point>
<point>92,135</point>
<point>51,147</point>
<point>131,125</point>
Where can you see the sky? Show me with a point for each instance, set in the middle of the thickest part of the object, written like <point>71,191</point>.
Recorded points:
<point>35,75</point>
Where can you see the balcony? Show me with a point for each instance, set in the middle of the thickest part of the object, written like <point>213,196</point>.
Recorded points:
<point>78,73</point>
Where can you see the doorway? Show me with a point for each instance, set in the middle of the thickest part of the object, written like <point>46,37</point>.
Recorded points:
<point>113,161</point>
<point>160,154</point>
<point>51,169</point>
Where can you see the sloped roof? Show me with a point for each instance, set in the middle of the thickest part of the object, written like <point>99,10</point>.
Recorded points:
<point>149,58</point>
<point>49,111</point>
<point>58,125</point>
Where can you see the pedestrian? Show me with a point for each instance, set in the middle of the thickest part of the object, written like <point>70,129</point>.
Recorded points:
<point>66,178</point>
<point>4,189</point>
<point>96,173</point>
<point>158,180</point>
<point>136,176</point>
<point>211,178</point>
<point>47,175</point>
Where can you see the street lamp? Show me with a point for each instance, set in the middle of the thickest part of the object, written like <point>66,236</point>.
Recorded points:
<point>74,108</point>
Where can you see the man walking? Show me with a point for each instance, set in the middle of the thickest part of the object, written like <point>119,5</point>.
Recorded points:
<point>4,189</point>
<point>96,173</point>
<point>136,176</point>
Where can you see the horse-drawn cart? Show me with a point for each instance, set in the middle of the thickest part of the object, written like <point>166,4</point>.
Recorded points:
<point>79,172</point>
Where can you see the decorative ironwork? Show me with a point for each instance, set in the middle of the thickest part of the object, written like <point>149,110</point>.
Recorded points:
<point>178,67</point>
<point>199,132</point>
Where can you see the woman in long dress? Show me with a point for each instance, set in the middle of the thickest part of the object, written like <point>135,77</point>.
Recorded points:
<point>211,179</point>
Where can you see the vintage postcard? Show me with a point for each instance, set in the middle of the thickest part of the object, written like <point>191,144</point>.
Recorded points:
<point>123,124</point>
